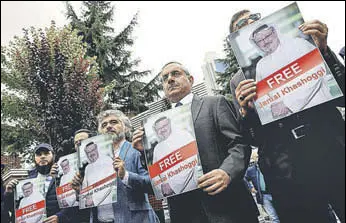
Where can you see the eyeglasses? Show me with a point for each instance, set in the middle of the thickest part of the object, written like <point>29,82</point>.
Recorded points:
<point>243,22</point>
<point>260,40</point>
<point>174,73</point>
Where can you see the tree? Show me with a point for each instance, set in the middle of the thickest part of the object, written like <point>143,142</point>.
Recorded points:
<point>122,83</point>
<point>52,89</point>
<point>223,79</point>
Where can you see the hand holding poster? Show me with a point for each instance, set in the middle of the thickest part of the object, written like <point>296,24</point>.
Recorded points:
<point>290,72</point>
<point>171,152</point>
<point>30,201</point>
<point>68,166</point>
<point>99,184</point>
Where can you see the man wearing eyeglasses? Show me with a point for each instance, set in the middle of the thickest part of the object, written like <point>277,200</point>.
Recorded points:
<point>222,196</point>
<point>301,156</point>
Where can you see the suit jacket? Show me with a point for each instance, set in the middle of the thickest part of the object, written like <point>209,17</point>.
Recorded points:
<point>132,204</point>
<point>220,146</point>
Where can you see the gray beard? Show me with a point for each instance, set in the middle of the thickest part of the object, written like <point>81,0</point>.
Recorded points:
<point>118,137</point>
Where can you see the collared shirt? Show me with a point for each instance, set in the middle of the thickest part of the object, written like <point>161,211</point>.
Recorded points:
<point>186,100</point>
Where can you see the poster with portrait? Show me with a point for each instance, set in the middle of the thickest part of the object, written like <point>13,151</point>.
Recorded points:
<point>171,152</point>
<point>99,185</point>
<point>67,168</point>
<point>30,202</point>
<point>288,67</point>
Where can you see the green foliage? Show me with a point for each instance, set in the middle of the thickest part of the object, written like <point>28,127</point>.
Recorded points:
<point>122,82</point>
<point>223,79</point>
<point>52,88</point>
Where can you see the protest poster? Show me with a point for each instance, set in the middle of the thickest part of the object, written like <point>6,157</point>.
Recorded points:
<point>67,168</point>
<point>29,200</point>
<point>99,177</point>
<point>288,67</point>
<point>171,152</point>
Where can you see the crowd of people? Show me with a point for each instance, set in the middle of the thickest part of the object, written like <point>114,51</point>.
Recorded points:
<point>304,176</point>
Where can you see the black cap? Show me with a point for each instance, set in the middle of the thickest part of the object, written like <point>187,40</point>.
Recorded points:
<point>43,146</point>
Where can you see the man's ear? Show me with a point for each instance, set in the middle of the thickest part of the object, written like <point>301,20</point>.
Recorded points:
<point>191,79</point>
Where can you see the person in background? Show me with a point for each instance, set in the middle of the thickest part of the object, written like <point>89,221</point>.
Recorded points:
<point>256,184</point>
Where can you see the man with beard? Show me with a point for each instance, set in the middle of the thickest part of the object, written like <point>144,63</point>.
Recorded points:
<point>44,157</point>
<point>133,181</point>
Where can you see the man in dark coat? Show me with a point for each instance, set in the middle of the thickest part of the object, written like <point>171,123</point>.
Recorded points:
<point>301,156</point>
<point>43,157</point>
<point>222,196</point>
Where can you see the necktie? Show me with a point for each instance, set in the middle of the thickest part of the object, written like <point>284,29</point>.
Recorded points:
<point>178,104</point>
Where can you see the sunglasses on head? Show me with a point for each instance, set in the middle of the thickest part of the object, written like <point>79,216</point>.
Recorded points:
<point>244,21</point>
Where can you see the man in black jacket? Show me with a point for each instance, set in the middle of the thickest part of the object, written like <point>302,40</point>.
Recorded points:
<point>302,156</point>
<point>222,197</point>
<point>43,157</point>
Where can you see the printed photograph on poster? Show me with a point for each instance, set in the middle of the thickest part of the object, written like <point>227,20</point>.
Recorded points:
<point>29,200</point>
<point>288,67</point>
<point>67,168</point>
<point>171,152</point>
<point>99,178</point>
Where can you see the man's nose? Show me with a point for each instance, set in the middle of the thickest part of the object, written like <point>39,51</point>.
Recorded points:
<point>171,79</point>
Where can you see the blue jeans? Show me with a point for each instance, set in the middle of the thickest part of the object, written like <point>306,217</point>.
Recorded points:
<point>269,208</point>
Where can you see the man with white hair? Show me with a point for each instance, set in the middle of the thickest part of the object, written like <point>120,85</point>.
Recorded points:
<point>133,180</point>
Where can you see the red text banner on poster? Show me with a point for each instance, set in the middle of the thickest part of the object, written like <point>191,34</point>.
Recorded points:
<point>173,159</point>
<point>64,188</point>
<point>111,177</point>
<point>30,208</point>
<point>289,72</point>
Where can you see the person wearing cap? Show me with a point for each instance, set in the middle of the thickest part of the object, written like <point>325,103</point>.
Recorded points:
<point>302,157</point>
<point>43,159</point>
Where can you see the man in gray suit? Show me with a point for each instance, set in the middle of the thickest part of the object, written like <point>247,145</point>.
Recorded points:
<point>222,197</point>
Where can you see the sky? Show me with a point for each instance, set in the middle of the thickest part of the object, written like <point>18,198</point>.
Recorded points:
<point>172,31</point>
